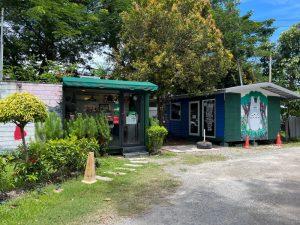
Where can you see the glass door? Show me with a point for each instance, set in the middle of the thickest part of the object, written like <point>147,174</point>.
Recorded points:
<point>133,119</point>
<point>194,118</point>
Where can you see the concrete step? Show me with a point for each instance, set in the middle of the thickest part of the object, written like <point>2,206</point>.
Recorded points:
<point>136,154</point>
<point>103,178</point>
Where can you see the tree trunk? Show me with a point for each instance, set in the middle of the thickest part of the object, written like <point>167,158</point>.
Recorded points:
<point>24,142</point>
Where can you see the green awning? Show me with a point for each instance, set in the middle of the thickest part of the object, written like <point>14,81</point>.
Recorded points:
<point>94,82</point>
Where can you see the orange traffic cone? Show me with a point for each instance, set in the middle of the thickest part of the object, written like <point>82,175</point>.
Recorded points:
<point>247,142</point>
<point>278,140</point>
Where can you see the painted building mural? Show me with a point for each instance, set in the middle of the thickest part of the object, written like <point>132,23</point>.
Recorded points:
<point>50,94</point>
<point>254,122</point>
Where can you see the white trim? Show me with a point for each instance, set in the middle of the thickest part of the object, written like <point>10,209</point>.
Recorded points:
<point>202,112</point>
<point>171,111</point>
<point>270,88</point>
<point>198,133</point>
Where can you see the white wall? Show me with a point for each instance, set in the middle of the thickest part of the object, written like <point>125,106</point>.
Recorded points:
<point>50,94</point>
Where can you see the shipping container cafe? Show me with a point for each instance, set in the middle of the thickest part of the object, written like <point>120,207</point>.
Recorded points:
<point>228,115</point>
<point>125,104</point>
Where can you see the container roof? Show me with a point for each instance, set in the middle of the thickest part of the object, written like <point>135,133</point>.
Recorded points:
<point>94,82</point>
<point>270,87</point>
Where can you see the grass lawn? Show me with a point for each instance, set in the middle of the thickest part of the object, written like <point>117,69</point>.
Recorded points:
<point>80,203</point>
<point>292,144</point>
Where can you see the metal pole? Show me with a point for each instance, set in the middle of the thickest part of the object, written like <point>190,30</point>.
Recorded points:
<point>1,44</point>
<point>240,72</point>
<point>270,68</point>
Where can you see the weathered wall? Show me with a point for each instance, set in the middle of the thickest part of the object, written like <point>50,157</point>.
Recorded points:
<point>50,94</point>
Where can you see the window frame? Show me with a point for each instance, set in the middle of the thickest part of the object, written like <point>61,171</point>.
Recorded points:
<point>179,103</point>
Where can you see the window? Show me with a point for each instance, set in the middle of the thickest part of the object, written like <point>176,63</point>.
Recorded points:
<point>176,111</point>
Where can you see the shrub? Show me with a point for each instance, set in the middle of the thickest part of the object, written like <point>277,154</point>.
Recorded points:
<point>6,180</point>
<point>54,160</point>
<point>156,135</point>
<point>50,129</point>
<point>3,173</point>
<point>77,127</point>
<point>36,169</point>
<point>103,132</point>
<point>91,127</point>
<point>153,121</point>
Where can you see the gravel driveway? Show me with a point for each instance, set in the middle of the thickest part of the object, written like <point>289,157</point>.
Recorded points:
<point>263,188</point>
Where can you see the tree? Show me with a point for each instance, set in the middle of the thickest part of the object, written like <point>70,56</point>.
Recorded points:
<point>22,108</point>
<point>242,37</point>
<point>68,31</point>
<point>173,43</point>
<point>287,65</point>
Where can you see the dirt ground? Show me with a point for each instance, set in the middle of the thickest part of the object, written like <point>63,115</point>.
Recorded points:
<point>256,186</point>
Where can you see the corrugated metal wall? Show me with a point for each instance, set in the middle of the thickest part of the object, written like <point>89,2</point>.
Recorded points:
<point>273,117</point>
<point>232,117</point>
<point>181,128</point>
<point>220,116</point>
<point>293,127</point>
<point>50,94</point>
<point>178,128</point>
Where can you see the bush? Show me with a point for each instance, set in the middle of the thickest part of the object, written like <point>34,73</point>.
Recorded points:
<point>6,180</point>
<point>54,160</point>
<point>50,129</point>
<point>3,174</point>
<point>103,132</point>
<point>91,127</point>
<point>36,169</point>
<point>153,121</point>
<point>156,135</point>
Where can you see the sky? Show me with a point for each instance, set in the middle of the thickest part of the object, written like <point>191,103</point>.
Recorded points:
<point>285,12</point>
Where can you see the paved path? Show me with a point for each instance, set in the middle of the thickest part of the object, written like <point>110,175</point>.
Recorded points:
<point>260,189</point>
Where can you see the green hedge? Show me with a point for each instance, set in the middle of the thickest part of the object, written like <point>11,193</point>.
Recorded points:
<point>156,135</point>
<point>54,160</point>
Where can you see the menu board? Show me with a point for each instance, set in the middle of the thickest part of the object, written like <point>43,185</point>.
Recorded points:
<point>209,120</point>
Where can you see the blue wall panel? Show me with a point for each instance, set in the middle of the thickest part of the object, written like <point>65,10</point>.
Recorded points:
<point>220,115</point>
<point>181,128</point>
<point>178,128</point>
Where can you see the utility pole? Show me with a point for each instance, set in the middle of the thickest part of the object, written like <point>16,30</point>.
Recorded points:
<point>270,68</point>
<point>240,72</point>
<point>1,44</point>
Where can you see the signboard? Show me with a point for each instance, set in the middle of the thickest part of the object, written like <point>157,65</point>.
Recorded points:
<point>208,117</point>
<point>131,119</point>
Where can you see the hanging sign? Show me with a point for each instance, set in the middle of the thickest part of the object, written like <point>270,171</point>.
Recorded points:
<point>131,119</point>
<point>209,120</point>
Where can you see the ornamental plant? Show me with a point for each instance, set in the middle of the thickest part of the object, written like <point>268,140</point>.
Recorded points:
<point>91,127</point>
<point>49,130</point>
<point>22,108</point>
<point>156,135</point>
